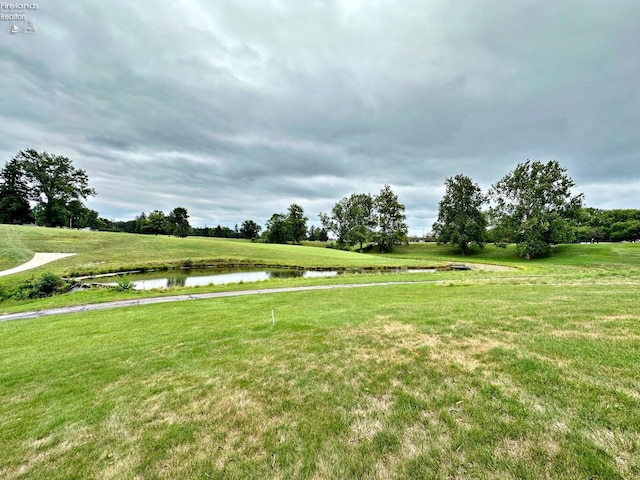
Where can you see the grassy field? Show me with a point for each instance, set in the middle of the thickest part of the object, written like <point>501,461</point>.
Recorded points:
<point>102,252</point>
<point>533,373</point>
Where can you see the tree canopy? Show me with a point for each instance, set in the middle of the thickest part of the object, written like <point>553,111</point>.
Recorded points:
<point>533,207</point>
<point>362,218</point>
<point>460,218</point>
<point>178,221</point>
<point>14,194</point>
<point>352,219</point>
<point>390,220</point>
<point>49,180</point>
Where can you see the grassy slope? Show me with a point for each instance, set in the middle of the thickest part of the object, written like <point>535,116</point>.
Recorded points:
<point>509,378</point>
<point>100,252</point>
<point>528,381</point>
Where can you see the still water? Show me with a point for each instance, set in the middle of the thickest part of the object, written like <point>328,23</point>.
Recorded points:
<point>194,278</point>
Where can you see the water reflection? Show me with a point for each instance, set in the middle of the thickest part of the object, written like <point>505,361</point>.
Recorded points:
<point>194,278</point>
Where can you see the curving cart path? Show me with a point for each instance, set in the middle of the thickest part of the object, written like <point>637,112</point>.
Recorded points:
<point>38,260</point>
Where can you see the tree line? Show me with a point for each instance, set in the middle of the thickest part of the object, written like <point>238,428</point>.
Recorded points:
<point>533,206</point>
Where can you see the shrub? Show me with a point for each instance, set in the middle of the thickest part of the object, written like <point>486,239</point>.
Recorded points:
<point>49,284</point>
<point>123,284</point>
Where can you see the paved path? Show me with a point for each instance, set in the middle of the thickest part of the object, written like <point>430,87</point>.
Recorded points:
<point>38,260</point>
<point>195,296</point>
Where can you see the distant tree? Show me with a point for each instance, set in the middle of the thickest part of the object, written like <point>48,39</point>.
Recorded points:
<point>178,220</point>
<point>278,229</point>
<point>534,207</point>
<point>250,229</point>
<point>297,223</point>
<point>14,194</point>
<point>53,182</point>
<point>460,219</point>
<point>361,213</point>
<point>338,221</point>
<point>142,224</point>
<point>158,223</point>
<point>83,217</point>
<point>391,227</point>
<point>352,219</point>
<point>322,235</point>
<point>223,232</point>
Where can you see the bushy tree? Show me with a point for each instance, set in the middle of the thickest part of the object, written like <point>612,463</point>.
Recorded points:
<point>533,207</point>
<point>297,223</point>
<point>352,219</point>
<point>317,234</point>
<point>338,221</point>
<point>158,223</point>
<point>53,182</point>
<point>287,227</point>
<point>178,221</point>
<point>82,217</point>
<point>250,229</point>
<point>391,227</point>
<point>460,219</point>
<point>14,194</point>
<point>277,229</point>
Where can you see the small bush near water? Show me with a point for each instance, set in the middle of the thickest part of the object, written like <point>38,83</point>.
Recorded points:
<point>123,284</point>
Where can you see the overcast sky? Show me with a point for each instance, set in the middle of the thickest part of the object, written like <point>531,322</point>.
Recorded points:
<point>234,109</point>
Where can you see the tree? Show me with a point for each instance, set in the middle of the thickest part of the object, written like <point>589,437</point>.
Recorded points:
<point>338,221</point>
<point>362,218</point>
<point>53,182</point>
<point>352,219</point>
<point>178,220</point>
<point>14,194</point>
<point>158,223</point>
<point>82,217</point>
<point>533,207</point>
<point>250,229</point>
<point>297,223</point>
<point>391,227</point>
<point>277,229</point>
<point>460,220</point>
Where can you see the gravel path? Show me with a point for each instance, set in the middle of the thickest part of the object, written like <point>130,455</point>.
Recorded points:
<point>38,260</point>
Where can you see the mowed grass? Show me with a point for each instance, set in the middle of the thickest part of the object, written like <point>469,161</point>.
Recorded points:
<point>104,252</point>
<point>532,373</point>
<point>411,381</point>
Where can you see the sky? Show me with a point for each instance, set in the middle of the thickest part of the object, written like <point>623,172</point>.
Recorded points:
<point>235,109</point>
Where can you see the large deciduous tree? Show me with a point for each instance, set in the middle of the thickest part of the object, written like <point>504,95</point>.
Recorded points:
<point>533,207</point>
<point>249,229</point>
<point>352,219</point>
<point>460,219</point>
<point>14,194</point>
<point>157,223</point>
<point>391,227</point>
<point>277,229</point>
<point>52,182</point>
<point>297,223</point>
<point>178,221</point>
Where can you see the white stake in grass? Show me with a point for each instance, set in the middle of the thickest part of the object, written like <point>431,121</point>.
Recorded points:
<point>273,319</point>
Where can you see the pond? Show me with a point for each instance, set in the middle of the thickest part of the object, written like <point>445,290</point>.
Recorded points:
<point>194,278</point>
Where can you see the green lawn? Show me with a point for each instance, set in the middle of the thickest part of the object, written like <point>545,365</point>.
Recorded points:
<point>101,252</point>
<point>416,381</point>
<point>532,373</point>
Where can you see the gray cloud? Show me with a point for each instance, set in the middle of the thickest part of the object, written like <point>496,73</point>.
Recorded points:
<point>234,110</point>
